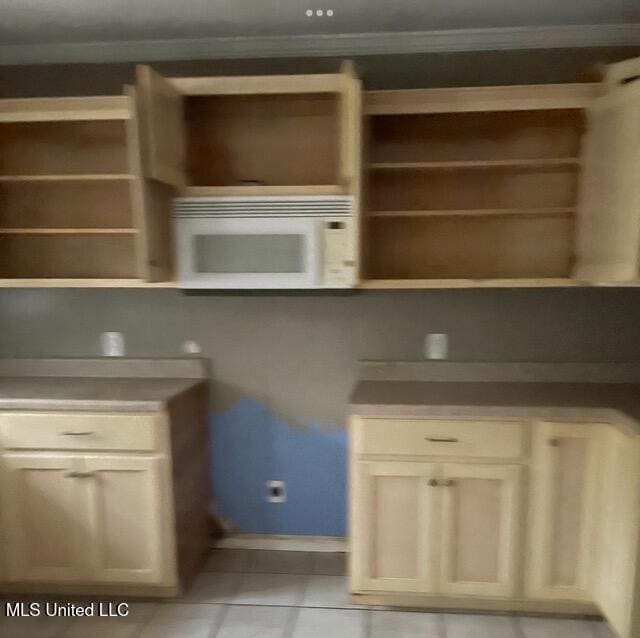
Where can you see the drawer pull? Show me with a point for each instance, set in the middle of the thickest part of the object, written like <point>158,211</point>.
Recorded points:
<point>448,483</point>
<point>79,474</point>
<point>554,442</point>
<point>433,483</point>
<point>76,433</point>
<point>444,440</point>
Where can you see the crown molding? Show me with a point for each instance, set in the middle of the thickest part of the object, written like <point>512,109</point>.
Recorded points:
<point>347,44</point>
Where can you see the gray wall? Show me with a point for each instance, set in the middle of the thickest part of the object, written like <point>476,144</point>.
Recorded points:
<point>297,353</point>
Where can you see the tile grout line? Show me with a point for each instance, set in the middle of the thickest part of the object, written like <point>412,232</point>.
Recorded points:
<point>517,627</point>
<point>368,622</point>
<point>290,626</point>
<point>442,625</point>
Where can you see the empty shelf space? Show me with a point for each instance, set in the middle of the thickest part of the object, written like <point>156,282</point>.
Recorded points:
<point>68,231</point>
<point>269,140</point>
<point>515,164</point>
<point>67,256</point>
<point>102,177</point>
<point>63,148</point>
<point>480,212</point>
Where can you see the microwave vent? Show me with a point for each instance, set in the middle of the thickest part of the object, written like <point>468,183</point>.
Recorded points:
<point>274,206</point>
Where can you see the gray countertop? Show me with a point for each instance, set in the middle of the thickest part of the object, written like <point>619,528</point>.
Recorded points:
<point>96,384</point>
<point>617,403</point>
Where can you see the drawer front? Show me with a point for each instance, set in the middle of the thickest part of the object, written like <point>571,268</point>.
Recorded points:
<point>79,431</point>
<point>497,439</point>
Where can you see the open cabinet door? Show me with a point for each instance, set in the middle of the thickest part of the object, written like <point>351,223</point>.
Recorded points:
<point>160,111</point>
<point>608,244</point>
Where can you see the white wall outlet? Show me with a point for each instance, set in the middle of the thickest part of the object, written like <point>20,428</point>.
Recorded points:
<point>112,344</point>
<point>191,347</point>
<point>436,346</point>
<point>276,492</point>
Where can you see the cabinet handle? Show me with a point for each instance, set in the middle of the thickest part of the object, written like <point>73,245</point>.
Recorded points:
<point>433,483</point>
<point>79,474</point>
<point>448,483</point>
<point>76,433</point>
<point>554,442</point>
<point>445,440</point>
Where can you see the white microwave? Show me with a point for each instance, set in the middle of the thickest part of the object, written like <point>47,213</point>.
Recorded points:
<point>265,242</point>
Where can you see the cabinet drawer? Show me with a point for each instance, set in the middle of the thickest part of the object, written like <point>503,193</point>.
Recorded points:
<point>79,431</point>
<point>499,439</point>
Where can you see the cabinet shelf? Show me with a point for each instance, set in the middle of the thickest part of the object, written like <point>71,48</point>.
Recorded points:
<point>480,212</point>
<point>68,231</point>
<point>106,177</point>
<point>506,164</point>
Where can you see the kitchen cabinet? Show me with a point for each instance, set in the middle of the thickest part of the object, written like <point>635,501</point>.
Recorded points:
<point>563,513</point>
<point>127,518</point>
<point>75,209</point>
<point>394,527</point>
<point>44,519</point>
<point>450,528</point>
<point>480,539</point>
<point>504,186</point>
<point>105,502</point>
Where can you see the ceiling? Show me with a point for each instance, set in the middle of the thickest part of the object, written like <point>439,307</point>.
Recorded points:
<point>65,21</point>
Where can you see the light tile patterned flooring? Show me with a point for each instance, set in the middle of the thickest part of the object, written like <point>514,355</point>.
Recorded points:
<point>274,594</point>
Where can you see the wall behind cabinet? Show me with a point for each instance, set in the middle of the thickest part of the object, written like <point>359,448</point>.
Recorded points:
<point>283,365</point>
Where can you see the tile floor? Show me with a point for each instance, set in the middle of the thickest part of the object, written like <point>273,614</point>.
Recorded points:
<point>273,594</point>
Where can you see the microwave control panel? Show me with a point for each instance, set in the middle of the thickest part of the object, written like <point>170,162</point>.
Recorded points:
<point>339,270</point>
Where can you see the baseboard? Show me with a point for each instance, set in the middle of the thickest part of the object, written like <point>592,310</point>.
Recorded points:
<point>284,543</point>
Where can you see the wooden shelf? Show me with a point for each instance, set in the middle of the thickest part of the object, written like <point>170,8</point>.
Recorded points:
<point>106,177</point>
<point>221,191</point>
<point>62,109</point>
<point>481,212</point>
<point>83,283</point>
<point>416,284</point>
<point>68,231</point>
<point>516,164</point>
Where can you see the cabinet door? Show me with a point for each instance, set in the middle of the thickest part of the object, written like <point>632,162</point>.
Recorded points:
<point>608,240</point>
<point>161,128</point>
<point>44,522</point>
<point>394,526</point>
<point>563,510</point>
<point>128,504</point>
<point>480,529</point>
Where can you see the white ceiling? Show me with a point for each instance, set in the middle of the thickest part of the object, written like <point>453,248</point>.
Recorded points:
<point>65,21</point>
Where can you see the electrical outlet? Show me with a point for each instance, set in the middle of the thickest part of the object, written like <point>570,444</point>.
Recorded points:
<point>112,344</point>
<point>436,346</point>
<point>276,492</point>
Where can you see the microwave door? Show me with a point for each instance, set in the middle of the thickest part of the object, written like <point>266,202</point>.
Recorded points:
<point>248,253</point>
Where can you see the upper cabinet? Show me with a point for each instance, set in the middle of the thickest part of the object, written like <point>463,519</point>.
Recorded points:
<point>252,135</point>
<point>514,185</point>
<point>74,208</point>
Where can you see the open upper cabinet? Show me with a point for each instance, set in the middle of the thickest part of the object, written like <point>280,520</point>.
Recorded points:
<point>252,135</point>
<point>503,185</point>
<point>74,208</point>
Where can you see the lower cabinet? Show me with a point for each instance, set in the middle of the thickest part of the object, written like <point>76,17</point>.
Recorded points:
<point>85,518</point>
<point>430,528</point>
<point>563,510</point>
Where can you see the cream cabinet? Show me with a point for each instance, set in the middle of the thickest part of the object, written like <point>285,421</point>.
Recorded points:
<point>480,536</point>
<point>104,502</point>
<point>394,526</point>
<point>44,519</point>
<point>563,510</point>
<point>446,528</point>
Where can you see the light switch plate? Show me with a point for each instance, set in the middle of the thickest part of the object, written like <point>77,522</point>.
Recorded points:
<point>436,346</point>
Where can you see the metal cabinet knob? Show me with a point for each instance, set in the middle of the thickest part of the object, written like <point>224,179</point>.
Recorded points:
<point>448,483</point>
<point>433,483</point>
<point>554,442</point>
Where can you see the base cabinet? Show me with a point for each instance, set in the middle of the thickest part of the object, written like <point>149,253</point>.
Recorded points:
<point>44,530</point>
<point>563,507</point>
<point>436,528</point>
<point>480,537</point>
<point>125,511</point>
